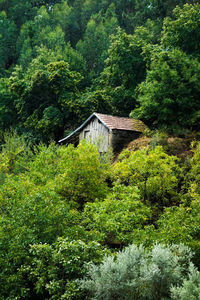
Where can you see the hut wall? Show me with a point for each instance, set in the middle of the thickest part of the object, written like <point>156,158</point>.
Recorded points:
<point>121,138</point>
<point>96,133</point>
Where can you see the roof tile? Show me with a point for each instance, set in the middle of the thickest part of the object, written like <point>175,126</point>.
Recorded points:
<point>121,123</point>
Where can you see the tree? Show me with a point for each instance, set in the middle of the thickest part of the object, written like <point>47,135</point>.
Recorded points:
<point>135,13</point>
<point>182,31</point>
<point>7,110</point>
<point>46,95</point>
<point>15,154</point>
<point>153,171</point>
<point>18,11</point>
<point>119,217</point>
<point>180,225</point>
<point>83,179</point>
<point>96,40</point>
<point>170,89</point>
<point>54,269</point>
<point>95,101</point>
<point>34,211</point>
<point>29,215</point>
<point>125,68</point>
<point>40,32</point>
<point>21,11</point>
<point>193,176</point>
<point>8,36</point>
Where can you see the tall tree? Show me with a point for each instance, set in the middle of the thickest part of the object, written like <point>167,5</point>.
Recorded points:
<point>8,115</point>
<point>8,32</point>
<point>182,31</point>
<point>39,32</point>
<point>125,68</point>
<point>45,96</point>
<point>170,91</point>
<point>96,40</point>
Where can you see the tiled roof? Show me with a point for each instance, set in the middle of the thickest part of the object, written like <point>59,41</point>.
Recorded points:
<point>120,123</point>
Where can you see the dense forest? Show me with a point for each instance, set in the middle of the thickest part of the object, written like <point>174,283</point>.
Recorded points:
<point>75,225</point>
<point>60,61</point>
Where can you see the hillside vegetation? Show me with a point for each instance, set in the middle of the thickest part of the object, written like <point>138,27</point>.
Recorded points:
<point>75,225</point>
<point>66,215</point>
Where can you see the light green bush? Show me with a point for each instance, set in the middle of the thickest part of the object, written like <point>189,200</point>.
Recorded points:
<point>153,171</point>
<point>119,217</point>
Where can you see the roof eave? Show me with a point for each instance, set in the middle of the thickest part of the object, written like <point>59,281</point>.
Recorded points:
<point>126,129</point>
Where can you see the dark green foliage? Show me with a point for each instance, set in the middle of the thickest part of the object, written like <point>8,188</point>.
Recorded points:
<point>18,11</point>
<point>95,43</point>
<point>46,96</point>
<point>8,36</point>
<point>96,101</point>
<point>83,34</point>
<point>171,89</point>
<point>125,68</point>
<point>182,31</point>
<point>39,32</point>
<point>8,116</point>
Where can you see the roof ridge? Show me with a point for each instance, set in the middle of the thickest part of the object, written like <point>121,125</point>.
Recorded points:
<point>115,116</point>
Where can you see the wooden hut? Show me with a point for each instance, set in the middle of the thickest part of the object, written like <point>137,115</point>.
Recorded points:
<point>106,131</point>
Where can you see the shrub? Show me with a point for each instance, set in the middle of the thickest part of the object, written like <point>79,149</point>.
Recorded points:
<point>119,217</point>
<point>153,171</point>
<point>190,288</point>
<point>81,175</point>
<point>138,274</point>
<point>54,269</point>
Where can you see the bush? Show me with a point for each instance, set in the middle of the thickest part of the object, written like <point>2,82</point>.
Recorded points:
<point>153,171</point>
<point>190,288</point>
<point>34,205</point>
<point>138,274</point>
<point>119,217</point>
<point>81,175</point>
<point>54,269</point>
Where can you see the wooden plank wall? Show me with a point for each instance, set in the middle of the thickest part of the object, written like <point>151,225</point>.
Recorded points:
<point>96,133</point>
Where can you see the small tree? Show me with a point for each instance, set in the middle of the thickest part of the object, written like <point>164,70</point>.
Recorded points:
<point>54,269</point>
<point>153,171</point>
<point>82,177</point>
<point>182,31</point>
<point>119,217</point>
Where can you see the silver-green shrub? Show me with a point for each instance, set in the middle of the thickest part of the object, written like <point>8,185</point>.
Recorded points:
<point>138,274</point>
<point>190,289</point>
